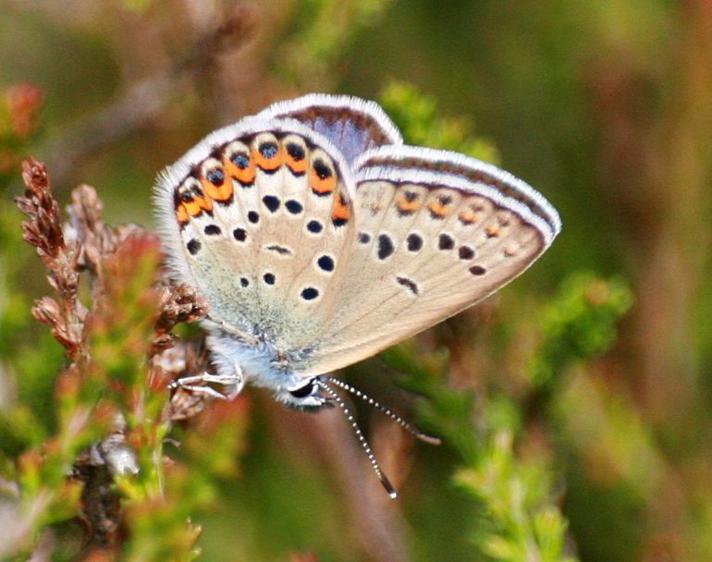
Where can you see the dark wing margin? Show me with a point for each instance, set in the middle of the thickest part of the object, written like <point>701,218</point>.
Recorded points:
<point>520,196</point>
<point>352,124</point>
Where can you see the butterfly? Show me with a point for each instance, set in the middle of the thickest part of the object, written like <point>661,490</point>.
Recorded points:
<point>318,238</point>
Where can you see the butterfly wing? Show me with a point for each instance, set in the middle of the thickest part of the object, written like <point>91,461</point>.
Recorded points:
<point>256,218</point>
<point>351,124</point>
<point>436,233</point>
<point>265,219</point>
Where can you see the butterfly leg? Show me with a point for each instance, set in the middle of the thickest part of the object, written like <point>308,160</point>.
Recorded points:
<point>232,380</point>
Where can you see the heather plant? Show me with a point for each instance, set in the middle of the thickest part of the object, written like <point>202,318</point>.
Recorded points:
<point>102,459</point>
<point>572,405</point>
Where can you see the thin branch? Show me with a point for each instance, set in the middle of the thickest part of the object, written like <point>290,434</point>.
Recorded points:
<point>143,101</point>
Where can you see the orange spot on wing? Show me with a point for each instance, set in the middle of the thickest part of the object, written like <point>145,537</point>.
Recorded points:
<point>492,231</point>
<point>206,204</point>
<point>406,206</point>
<point>218,192</point>
<point>244,175</point>
<point>296,166</point>
<point>321,186</point>
<point>340,211</point>
<point>467,217</point>
<point>439,210</point>
<point>268,164</point>
<point>193,207</point>
<point>182,214</point>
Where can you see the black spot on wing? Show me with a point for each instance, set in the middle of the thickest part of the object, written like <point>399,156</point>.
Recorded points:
<point>268,149</point>
<point>193,246</point>
<point>466,253</point>
<point>414,242</point>
<point>281,250</point>
<point>294,207</point>
<point>310,293</point>
<point>321,169</point>
<point>296,151</point>
<point>240,160</point>
<point>385,246</point>
<point>325,263</point>
<point>271,202</point>
<point>446,242</point>
<point>408,284</point>
<point>216,177</point>
<point>315,226</point>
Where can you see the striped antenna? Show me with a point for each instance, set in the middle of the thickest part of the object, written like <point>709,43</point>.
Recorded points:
<point>384,410</point>
<point>366,447</point>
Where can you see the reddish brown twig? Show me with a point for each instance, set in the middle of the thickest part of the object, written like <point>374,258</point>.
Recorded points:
<point>43,230</point>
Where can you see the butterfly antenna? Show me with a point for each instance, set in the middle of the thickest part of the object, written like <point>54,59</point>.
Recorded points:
<point>366,447</point>
<point>385,410</point>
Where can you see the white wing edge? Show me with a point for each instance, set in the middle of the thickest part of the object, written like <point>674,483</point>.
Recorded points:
<point>548,229</point>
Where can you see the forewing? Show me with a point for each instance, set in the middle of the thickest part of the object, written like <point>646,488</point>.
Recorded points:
<point>436,233</point>
<point>256,217</point>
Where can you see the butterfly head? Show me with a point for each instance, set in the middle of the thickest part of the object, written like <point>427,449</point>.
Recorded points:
<point>309,396</point>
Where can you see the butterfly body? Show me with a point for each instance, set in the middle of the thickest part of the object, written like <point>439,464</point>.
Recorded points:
<point>318,239</point>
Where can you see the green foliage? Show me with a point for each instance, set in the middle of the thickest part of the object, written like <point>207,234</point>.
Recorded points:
<point>519,524</point>
<point>19,109</point>
<point>580,323</point>
<point>321,31</point>
<point>445,412</point>
<point>519,519</point>
<point>418,118</point>
<point>138,6</point>
<point>22,349</point>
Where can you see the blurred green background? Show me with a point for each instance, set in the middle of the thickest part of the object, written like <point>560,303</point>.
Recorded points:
<point>576,405</point>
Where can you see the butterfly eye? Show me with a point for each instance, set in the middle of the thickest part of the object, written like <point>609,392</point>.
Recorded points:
<point>303,391</point>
